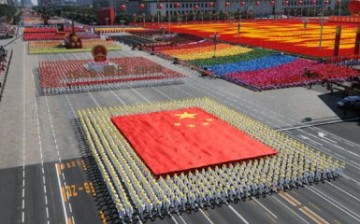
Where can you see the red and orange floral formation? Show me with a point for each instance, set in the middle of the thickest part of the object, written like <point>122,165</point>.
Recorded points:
<point>286,35</point>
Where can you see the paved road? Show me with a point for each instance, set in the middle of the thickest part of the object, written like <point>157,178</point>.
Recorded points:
<point>48,177</point>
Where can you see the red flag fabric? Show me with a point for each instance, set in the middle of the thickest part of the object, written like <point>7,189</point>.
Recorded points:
<point>184,139</point>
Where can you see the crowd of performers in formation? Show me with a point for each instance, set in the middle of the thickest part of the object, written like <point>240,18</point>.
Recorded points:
<point>135,191</point>
<point>79,87</point>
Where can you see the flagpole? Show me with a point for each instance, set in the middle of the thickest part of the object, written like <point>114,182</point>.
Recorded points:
<point>322,26</point>
<point>169,16</point>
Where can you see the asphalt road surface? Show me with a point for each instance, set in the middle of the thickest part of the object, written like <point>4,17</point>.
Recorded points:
<point>48,176</point>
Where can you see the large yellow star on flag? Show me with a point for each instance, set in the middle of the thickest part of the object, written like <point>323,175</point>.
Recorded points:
<point>186,115</point>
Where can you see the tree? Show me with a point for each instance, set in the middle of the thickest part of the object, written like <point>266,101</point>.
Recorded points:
<point>7,12</point>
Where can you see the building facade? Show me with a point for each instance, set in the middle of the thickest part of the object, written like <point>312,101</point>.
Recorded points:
<point>261,8</point>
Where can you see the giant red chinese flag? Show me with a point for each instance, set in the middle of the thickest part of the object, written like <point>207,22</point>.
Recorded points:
<point>184,139</point>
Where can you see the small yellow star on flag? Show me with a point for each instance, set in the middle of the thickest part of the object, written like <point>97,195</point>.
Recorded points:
<point>186,115</point>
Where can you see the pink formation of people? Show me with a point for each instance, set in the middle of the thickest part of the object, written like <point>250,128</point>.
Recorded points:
<point>58,77</point>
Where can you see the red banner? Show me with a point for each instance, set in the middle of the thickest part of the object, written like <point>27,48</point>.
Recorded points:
<point>184,139</point>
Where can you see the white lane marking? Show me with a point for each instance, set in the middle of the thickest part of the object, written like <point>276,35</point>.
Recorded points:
<point>172,217</point>
<point>47,213</point>
<point>338,155</point>
<point>207,217</point>
<point>92,97</point>
<point>288,208</point>
<point>347,193</point>
<point>348,151</point>
<point>182,219</point>
<point>355,165</point>
<point>59,158</point>
<point>62,197</point>
<point>339,137</point>
<point>263,206</point>
<point>24,139</point>
<point>310,125</point>
<point>40,144</point>
<point>141,96</point>
<point>350,143</point>
<point>70,207</point>
<point>349,178</point>
<point>322,135</point>
<point>117,97</point>
<point>71,107</point>
<point>238,214</point>
<point>309,139</point>
<point>162,93</point>
<point>334,203</point>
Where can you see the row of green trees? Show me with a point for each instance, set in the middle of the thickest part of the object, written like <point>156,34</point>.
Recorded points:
<point>87,15</point>
<point>9,14</point>
<point>80,14</point>
<point>221,15</point>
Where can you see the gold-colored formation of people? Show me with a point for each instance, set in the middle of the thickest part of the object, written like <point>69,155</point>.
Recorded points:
<point>135,191</point>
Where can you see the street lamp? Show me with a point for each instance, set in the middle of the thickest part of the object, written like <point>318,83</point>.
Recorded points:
<point>169,16</point>
<point>321,24</point>
<point>215,37</point>
<point>338,2</point>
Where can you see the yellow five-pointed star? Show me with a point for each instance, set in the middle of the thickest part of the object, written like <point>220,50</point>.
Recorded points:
<point>186,115</point>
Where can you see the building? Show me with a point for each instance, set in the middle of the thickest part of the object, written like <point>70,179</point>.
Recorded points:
<point>10,2</point>
<point>65,3</point>
<point>257,7</point>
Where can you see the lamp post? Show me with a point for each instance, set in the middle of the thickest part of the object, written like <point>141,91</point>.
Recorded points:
<point>215,37</point>
<point>321,25</point>
<point>338,2</point>
<point>169,19</point>
<point>286,8</point>
<point>313,2</point>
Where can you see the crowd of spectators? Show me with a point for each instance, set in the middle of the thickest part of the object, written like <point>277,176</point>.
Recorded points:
<point>6,31</point>
<point>3,54</point>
